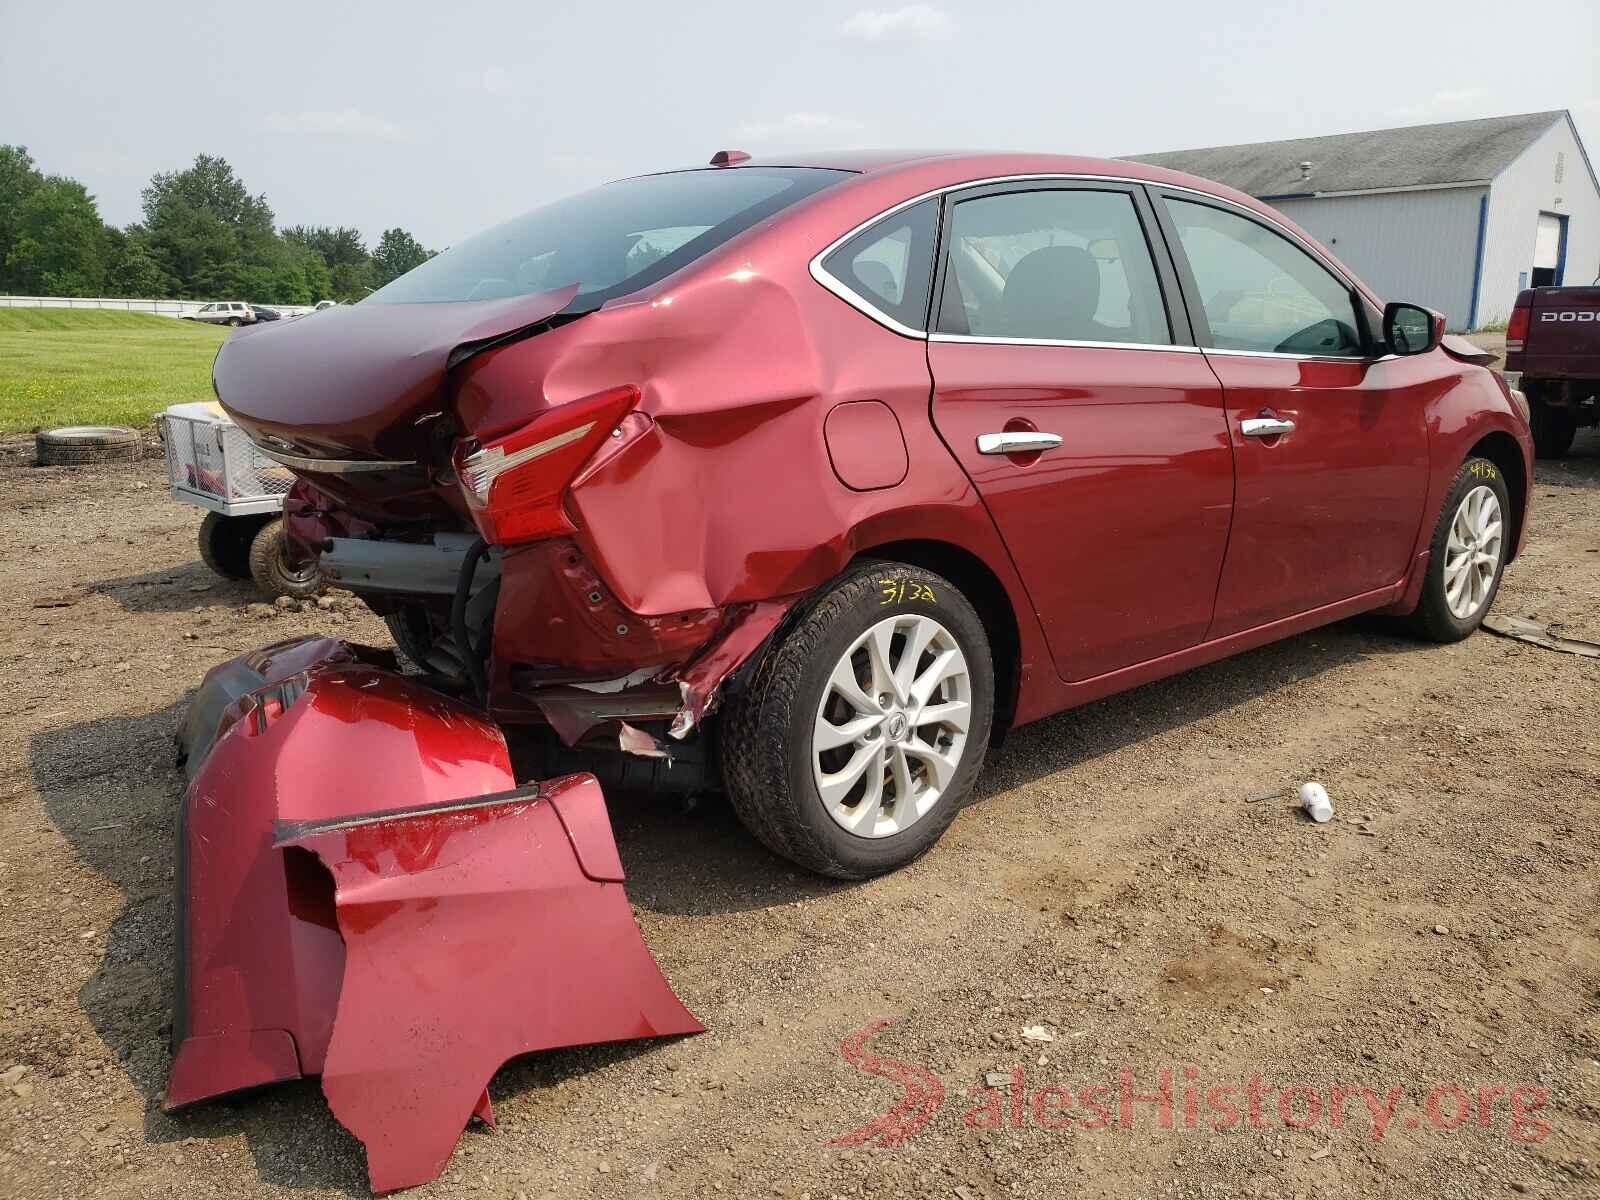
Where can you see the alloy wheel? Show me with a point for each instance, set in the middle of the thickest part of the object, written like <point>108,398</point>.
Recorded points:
<point>891,727</point>
<point>1472,552</point>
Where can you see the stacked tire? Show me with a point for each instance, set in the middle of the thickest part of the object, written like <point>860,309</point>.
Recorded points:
<point>76,445</point>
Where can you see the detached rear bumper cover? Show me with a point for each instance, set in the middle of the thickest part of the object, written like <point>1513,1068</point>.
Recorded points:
<point>366,895</point>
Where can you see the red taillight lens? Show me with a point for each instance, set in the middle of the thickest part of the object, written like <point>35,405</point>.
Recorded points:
<point>514,484</point>
<point>1517,330</point>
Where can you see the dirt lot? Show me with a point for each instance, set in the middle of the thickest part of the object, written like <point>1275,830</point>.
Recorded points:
<point>1133,877</point>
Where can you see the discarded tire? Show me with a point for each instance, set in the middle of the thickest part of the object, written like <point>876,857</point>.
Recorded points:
<point>76,444</point>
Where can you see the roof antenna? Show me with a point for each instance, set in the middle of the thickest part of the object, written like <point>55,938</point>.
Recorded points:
<point>726,158</point>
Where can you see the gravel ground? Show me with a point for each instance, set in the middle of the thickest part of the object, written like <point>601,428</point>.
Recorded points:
<point>1133,882</point>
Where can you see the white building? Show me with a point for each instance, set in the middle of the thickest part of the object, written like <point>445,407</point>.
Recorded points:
<point>1459,216</point>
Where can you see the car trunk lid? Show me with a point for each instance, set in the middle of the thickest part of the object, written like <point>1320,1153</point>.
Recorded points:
<point>362,382</point>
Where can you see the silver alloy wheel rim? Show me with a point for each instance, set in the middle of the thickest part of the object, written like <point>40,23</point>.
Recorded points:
<point>891,727</point>
<point>1472,552</point>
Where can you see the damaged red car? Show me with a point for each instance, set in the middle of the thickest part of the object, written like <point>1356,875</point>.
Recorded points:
<point>807,480</point>
<point>886,455</point>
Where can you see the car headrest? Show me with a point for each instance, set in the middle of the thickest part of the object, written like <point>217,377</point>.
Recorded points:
<point>878,278</point>
<point>1052,292</point>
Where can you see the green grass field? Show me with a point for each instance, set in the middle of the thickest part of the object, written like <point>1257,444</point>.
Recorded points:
<point>88,367</point>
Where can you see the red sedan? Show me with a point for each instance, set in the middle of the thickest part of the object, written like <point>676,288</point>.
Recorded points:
<point>834,471</point>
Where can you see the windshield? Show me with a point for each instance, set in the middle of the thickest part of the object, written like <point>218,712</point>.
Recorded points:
<point>609,241</point>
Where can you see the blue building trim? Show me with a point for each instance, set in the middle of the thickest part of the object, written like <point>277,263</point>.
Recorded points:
<point>1477,259</point>
<point>1561,251</point>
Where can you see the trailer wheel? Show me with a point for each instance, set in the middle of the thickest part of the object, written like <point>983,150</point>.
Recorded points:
<point>270,568</point>
<point>225,543</point>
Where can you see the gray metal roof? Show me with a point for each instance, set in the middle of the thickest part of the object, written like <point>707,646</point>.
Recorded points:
<point>1414,156</point>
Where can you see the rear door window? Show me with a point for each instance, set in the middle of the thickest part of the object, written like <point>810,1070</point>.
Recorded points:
<point>1068,265</point>
<point>888,266</point>
<point>612,240</point>
<point>1260,291</point>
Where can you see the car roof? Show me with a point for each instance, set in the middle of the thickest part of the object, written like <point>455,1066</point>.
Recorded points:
<point>852,160</point>
<point>978,164</point>
<point>952,167</point>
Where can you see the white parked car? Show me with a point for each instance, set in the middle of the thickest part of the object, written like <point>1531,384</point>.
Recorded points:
<point>224,312</point>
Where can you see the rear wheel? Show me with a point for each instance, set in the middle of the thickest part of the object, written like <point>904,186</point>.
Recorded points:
<point>270,567</point>
<point>863,729</point>
<point>414,635</point>
<point>1467,554</point>
<point>1553,428</point>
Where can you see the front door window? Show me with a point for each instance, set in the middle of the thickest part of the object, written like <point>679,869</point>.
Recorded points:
<point>1260,292</point>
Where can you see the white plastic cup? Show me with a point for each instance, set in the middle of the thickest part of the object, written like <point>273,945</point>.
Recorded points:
<point>1314,799</point>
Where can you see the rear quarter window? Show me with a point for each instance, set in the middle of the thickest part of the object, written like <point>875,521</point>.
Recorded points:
<point>888,267</point>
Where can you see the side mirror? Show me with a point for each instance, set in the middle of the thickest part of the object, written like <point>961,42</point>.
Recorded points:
<point>1410,328</point>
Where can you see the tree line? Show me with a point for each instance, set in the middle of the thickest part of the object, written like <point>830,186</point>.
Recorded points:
<point>203,237</point>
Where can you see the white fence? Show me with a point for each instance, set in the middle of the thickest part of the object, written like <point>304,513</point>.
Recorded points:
<point>161,308</point>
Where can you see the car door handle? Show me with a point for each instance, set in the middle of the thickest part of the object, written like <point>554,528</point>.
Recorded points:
<point>1265,426</point>
<point>1017,443</point>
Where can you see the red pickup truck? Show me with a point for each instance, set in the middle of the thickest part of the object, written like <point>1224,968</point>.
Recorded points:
<point>1553,355</point>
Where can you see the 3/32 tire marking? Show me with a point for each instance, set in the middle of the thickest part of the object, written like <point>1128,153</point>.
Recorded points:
<point>898,591</point>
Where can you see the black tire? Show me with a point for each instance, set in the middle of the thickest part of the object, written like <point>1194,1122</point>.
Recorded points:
<point>768,727</point>
<point>412,632</point>
<point>225,543</point>
<point>233,322</point>
<point>271,570</point>
<point>418,636</point>
<point>1433,618</point>
<point>1553,429</point>
<point>74,445</point>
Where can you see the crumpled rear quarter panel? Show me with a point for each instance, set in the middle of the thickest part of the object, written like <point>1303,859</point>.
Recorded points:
<point>730,495</point>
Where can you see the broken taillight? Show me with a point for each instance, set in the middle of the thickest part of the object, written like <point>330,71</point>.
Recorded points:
<point>514,484</point>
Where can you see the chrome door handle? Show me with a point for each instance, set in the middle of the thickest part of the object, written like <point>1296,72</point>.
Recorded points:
<point>1017,443</point>
<point>1265,426</point>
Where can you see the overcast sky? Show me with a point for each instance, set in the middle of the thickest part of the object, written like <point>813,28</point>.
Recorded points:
<point>446,117</point>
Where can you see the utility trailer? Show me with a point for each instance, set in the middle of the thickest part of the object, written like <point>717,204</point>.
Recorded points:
<point>213,465</point>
